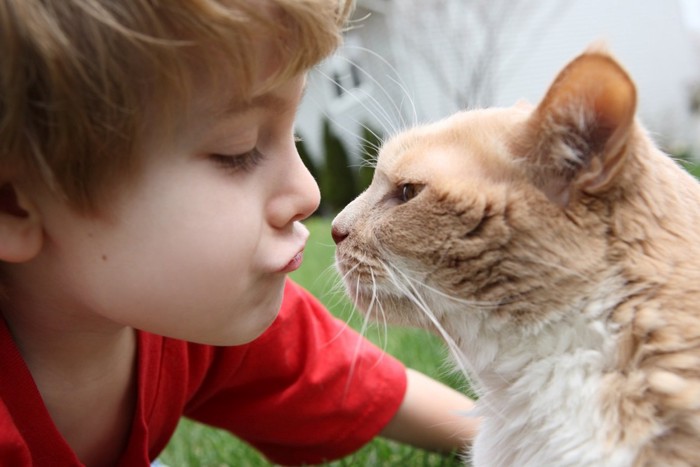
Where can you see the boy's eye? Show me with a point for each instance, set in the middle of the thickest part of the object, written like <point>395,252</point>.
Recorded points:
<point>239,162</point>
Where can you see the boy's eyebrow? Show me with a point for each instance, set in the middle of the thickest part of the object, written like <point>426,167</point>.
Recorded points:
<point>269,101</point>
<point>235,106</point>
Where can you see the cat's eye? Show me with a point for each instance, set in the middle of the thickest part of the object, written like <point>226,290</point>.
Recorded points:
<point>408,191</point>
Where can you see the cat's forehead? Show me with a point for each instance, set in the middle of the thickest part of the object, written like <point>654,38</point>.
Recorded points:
<point>476,143</point>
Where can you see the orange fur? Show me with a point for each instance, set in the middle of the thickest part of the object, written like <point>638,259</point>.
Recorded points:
<point>531,220</point>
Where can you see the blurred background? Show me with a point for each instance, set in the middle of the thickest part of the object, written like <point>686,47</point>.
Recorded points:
<point>414,61</point>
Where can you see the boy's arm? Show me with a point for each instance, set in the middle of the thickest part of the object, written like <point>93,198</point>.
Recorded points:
<point>432,416</point>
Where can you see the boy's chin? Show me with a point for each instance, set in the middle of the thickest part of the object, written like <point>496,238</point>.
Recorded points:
<point>245,333</point>
<point>247,324</point>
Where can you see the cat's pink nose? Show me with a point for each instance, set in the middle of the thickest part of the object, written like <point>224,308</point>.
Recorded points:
<point>338,234</point>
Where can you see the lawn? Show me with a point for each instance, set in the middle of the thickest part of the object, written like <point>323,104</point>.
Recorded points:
<point>196,445</point>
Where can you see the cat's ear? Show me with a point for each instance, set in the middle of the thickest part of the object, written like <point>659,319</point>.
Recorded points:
<point>576,139</point>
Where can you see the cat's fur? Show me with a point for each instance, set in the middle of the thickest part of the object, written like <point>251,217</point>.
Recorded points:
<point>558,252</point>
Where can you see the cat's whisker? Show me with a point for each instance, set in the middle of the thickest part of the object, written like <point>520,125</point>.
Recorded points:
<point>414,112</point>
<point>458,355</point>
<point>461,301</point>
<point>337,288</point>
<point>356,350</point>
<point>368,162</point>
<point>366,323</point>
<point>385,324</point>
<point>395,78</point>
<point>339,292</point>
<point>364,164</point>
<point>343,327</point>
<point>376,82</point>
<point>376,109</point>
<point>348,131</point>
<point>347,273</point>
<point>385,327</point>
<point>335,294</point>
<point>334,288</point>
<point>375,302</point>
<point>372,145</point>
<point>410,291</point>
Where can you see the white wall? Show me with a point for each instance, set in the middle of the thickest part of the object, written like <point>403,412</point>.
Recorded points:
<point>537,39</point>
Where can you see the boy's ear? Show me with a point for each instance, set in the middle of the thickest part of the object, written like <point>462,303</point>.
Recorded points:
<point>21,233</point>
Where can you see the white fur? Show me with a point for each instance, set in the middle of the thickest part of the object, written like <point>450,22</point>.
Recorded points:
<point>540,388</point>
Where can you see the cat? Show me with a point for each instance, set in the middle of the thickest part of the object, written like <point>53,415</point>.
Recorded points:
<point>557,251</point>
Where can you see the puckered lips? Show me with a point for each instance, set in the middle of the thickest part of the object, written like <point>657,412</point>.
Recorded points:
<point>301,234</point>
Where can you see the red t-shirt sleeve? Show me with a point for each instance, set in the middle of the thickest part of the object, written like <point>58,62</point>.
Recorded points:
<point>13,447</point>
<point>310,389</point>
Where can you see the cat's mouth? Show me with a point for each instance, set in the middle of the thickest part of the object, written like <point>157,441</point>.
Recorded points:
<point>368,287</point>
<point>354,282</point>
<point>386,293</point>
<point>361,281</point>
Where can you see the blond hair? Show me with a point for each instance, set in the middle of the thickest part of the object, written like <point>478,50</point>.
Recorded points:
<point>75,74</point>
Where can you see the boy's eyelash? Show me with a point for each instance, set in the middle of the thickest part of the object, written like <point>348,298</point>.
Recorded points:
<point>239,162</point>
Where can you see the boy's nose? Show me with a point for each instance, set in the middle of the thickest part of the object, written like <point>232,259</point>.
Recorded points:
<point>297,195</point>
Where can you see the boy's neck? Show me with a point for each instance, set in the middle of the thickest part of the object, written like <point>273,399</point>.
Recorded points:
<point>86,376</point>
<point>74,353</point>
<point>93,403</point>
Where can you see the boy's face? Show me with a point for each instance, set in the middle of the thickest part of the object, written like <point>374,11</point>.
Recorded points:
<point>198,246</point>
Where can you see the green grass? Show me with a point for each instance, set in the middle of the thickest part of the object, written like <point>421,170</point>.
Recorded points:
<point>197,445</point>
<point>693,168</point>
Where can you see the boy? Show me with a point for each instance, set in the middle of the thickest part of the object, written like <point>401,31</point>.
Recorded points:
<point>150,207</point>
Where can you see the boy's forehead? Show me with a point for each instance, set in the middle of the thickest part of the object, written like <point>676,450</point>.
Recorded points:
<point>284,96</point>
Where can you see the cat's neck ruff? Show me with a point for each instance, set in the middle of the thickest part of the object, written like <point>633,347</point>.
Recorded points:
<point>541,396</point>
<point>495,344</point>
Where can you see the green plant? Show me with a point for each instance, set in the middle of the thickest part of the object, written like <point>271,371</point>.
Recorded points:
<point>371,141</point>
<point>337,180</point>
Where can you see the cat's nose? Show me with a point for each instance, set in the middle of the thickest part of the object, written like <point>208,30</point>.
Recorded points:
<point>338,234</point>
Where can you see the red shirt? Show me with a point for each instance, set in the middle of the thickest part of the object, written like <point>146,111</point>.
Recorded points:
<point>305,391</point>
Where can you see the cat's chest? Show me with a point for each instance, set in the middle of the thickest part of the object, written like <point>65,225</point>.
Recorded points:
<point>552,413</point>
<point>541,398</point>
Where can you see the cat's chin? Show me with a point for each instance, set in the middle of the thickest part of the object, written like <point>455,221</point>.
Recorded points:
<point>385,307</point>
<point>366,299</point>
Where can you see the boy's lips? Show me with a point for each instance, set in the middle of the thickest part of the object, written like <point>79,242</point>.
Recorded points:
<point>294,263</point>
